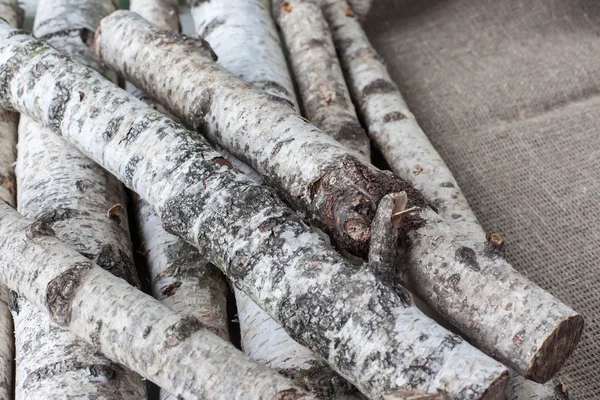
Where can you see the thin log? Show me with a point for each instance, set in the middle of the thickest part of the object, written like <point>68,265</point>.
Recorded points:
<point>509,317</point>
<point>317,71</point>
<point>404,145</point>
<point>245,38</point>
<point>391,125</point>
<point>71,194</point>
<point>175,351</point>
<point>522,389</point>
<point>262,245</point>
<point>9,11</point>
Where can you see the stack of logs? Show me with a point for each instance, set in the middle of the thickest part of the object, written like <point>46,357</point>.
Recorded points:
<point>232,186</point>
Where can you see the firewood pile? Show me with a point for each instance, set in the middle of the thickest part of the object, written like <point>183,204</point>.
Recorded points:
<point>246,154</point>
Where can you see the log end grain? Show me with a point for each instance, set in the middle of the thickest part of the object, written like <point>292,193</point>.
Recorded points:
<point>555,349</point>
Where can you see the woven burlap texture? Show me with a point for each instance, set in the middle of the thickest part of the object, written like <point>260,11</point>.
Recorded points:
<point>508,92</point>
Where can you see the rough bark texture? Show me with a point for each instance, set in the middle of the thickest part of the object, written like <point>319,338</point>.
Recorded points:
<point>10,11</point>
<point>508,316</point>
<point>71,194</point>
<point>361,7</point>
<point>181,278</point>
<point>60,16</point>
<point>320,79</point>
<point>390,124</point>
<point>162,13</point>
<point>404,145</point>
<point>374,338</point>
<point>244,37</point>
<point>173,350</point>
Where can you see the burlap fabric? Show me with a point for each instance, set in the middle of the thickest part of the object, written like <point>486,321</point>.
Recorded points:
<point>507,91</point>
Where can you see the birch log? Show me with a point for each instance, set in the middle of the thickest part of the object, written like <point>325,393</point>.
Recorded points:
<point>320,79</point>
<point>9,11</point>
<point>391,126</point>
<point>173,350</point>
<point>65,189</point>
<point>405,146</point>
<point>509,317</point>
<point>263,246</point>
<point>162,13</point>
<point>521,389</point>
<point>244,37</point>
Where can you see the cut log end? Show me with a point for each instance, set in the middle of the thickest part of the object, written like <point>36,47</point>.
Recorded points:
<point>555,349</point>
<point>497,389</point>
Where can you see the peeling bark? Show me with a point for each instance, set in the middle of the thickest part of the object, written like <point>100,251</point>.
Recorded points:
<point>509,317</point>
<point>391,126</point>
<point>244,37</point>
<point>320,79</point>
<point>263,246</point>
<point>176,351</point>
<point>162,13</point>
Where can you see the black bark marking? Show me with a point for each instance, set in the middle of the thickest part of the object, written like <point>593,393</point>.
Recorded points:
<point>455,216</point>
<point>315,43</point>
<point>181,330</point>
<point>466,255</point>
<point>56,111</point>
<point>320,380</point>
<point>393,116</point>
<point>39,228</point>
<point>62,289</point>
<point>202,109</point>
<point>13,301</point>
<point>453,281</point>
<point>279,145</point>
<point>61,367</point>
<point>104,372</point>
<point>146,332</point>
<point>447,184</point>
<point>378,86</point>
<point>194,42</point>
<point>170,290</point>
<point>111,128</point>
<point>58,214</point>
<point>215,23</point>
<point>271,85</point>
<point>351,131</point>
<point>116,262</point>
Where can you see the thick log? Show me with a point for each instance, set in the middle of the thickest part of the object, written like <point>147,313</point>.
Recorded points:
<point>509,317</point>
<point>9,11</point>
<point>391,126</point>
<point>71,194</point>
<point>243,35</point>
<point>175,351</point>
<point>325,97</point>
<point>262,245</point>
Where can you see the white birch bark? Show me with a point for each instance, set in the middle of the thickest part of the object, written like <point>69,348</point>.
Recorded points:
<point>391,126</point>
<point>376,339</point>
<point>325,97</point>
<point>162,13</point>
<point>244,37</point>
<point>62,187</point>
<point>10,11</point>
<point>509,317</point>
<point>175,351</point>
<point>180,277</point>
<point>404,145</point>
